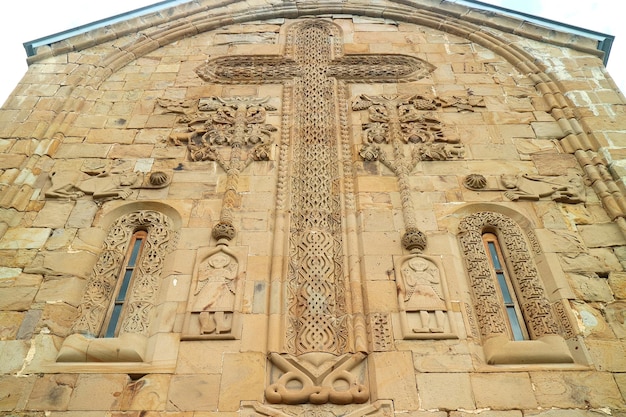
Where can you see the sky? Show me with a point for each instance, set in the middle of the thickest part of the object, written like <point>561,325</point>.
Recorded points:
<point>27,20</point>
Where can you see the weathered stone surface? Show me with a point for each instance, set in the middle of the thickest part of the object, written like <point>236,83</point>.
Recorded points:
<point>597,260</point>
<point>193,392</point>
<point>608,355</point>
<point>25,238</point>
<point>552,163</point>
<point>58,318</point>
<point>576,390</point>
<point>591,321</point>
<point>82,214</point>
<point>67,290</point>
<point>616,317</point>
<point>503,391</point>
<point>109,390</point>
<point>617,282</point>
<point>13,353</point>
<point>243,376</point>
<point>590,287</point>
<point>147,393</point>
<point>17,298</point>
<point>10,322</point>
<point>447,391</point>
<point>601,235</point>
<point>14,391</point>
<point>54,214</point>
<point>560,241</point>
<point>392,376</point>
<point>52,392</point>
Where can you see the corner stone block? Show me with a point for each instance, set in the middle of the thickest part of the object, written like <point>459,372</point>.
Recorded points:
<point>25,238</point>
<point>503,391</point>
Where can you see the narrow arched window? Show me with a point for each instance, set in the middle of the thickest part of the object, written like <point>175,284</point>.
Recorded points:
<point>116,310</point>
<point>506,291</point>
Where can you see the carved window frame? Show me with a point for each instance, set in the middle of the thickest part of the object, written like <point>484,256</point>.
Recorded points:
<point>544,321</point>
<point>132,343</point>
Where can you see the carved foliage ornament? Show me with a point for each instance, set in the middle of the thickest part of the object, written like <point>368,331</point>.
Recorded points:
<point>534,304</point>
<point>142,296</point>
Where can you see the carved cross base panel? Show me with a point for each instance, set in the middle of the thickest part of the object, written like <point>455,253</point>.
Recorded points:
<point>423,298</point>
<point>317,378</point>
<point>215,294</point>
<point>381,408</point>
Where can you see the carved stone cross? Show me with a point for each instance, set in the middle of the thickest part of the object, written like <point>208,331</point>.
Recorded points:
<point>312,68</point>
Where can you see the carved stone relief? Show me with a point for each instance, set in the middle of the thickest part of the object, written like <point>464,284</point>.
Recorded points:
<point>320,316</point>
<point>317,378</point>
<point>217,125</point>
<point>215,296</point>
<point>143,294</point>
<point>103,184</point>
<point>563,189</point>
<point>536,309</point>
<point>380,408</point>
<point>397,122</point>
<point>381,335</point>
<point>423,299</point>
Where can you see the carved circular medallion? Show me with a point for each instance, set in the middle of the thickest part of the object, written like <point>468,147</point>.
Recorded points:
<point>414,239</point>
<point>475,182</point>
<point>223,230</point>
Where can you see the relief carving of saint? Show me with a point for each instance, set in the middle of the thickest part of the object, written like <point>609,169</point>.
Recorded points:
<point>421,290</point>
<point>214,295</point>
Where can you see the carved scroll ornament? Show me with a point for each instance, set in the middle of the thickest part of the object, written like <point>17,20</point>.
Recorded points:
<point>317,378</point>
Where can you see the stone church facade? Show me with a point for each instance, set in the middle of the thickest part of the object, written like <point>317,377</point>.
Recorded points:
<point>320,208</point>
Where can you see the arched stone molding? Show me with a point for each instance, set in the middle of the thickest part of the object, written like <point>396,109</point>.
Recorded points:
<point>465,22</point>
<point>546,319</point>
<point>137,324</point>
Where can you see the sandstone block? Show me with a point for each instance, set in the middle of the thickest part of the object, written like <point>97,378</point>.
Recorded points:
<point>503,391</point>
<point>54,214</point>
<point>447,391</point>
<point>16,298</point>
<point>10,322</point>
<point>392,376</point>
<point>591,322</point>
<point>560,241</point>
<point>615,314</point>
<point>83,214</point>
<point>14,391</point>
<point>65,290</point>
<point>13,354</point>
<point>590,287</point>
<point>576,389</point>
<point>147,393</point>
<point>109,390</point>
<point>52,392</point>
<point>597,260</point>
<point>193,393</point>
<point>25,238</point>
<point>243,377</point>
<point>608,355</point>
<point>617,282</point>
<point>599,235</point>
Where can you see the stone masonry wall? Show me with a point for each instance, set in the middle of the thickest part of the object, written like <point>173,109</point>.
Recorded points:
<point>480,116</point>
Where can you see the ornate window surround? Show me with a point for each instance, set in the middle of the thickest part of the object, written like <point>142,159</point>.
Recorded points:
<point>140,327</point>
<point>547,318</point>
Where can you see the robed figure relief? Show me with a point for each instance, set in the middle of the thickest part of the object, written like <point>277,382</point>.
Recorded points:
<point>214,296</point>
<point>423,300</point>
